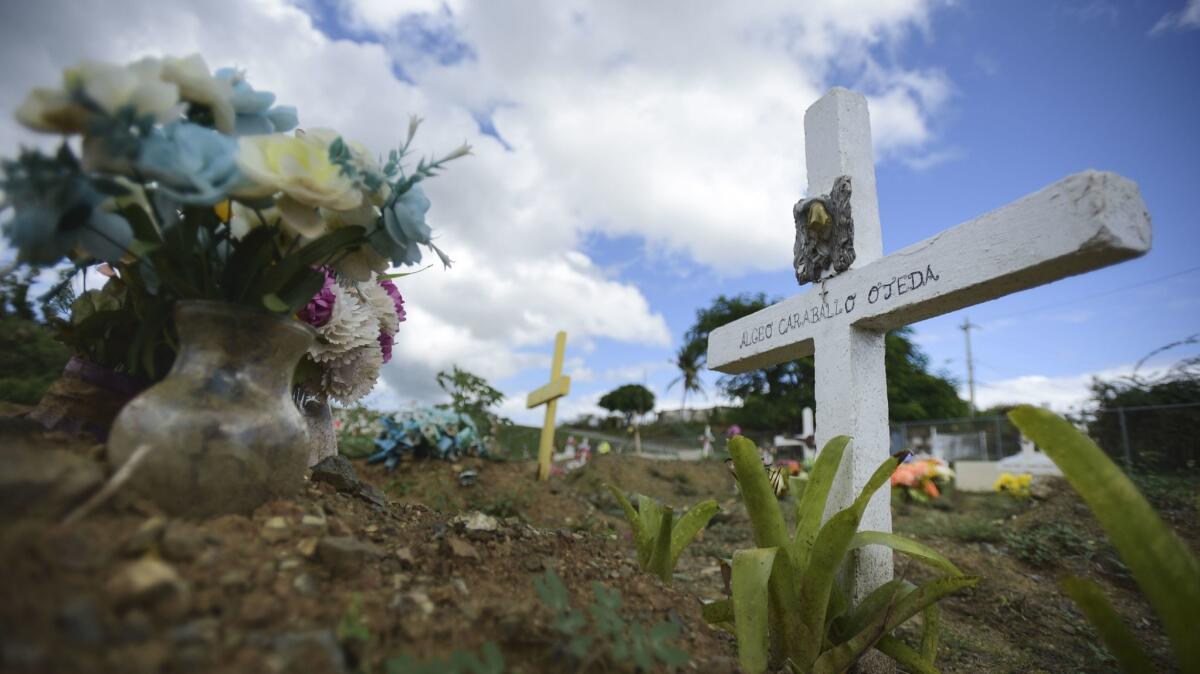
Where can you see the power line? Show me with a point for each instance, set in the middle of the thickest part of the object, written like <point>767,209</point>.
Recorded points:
<point>1100,294</point>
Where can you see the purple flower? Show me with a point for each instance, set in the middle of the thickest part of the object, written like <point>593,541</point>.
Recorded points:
<point>394,293</point>
<point>320,309</point>
<point>385,343</point>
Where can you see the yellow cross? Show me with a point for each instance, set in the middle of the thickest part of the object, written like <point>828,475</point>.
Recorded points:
<point>548,395</point>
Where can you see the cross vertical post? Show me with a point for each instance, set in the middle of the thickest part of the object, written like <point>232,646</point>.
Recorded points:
<point>850,387</point>
<point>548,395</point>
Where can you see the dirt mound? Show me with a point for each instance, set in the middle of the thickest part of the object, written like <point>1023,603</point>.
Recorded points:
<point>325,582</point>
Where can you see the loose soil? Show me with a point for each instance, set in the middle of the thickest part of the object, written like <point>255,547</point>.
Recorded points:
<point>276,591</point>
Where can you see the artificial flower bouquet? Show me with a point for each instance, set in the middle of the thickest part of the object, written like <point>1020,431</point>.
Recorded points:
<point>192,184</point>
<point>922,479</point>
<point>1016,486</point>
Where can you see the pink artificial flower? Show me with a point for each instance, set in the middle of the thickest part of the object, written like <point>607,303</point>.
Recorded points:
<point>319,309</point>
<point>394,293</point>
<point>385,342</point>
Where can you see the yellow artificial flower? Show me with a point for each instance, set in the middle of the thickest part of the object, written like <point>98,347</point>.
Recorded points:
<point>299,167</point>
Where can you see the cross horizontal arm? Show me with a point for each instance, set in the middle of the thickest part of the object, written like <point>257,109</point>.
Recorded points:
<point>552,391</point>
<point>1082,222</point>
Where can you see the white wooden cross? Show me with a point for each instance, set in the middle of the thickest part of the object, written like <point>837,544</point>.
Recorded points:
<point>1082,222</point>
<point>548,395</point>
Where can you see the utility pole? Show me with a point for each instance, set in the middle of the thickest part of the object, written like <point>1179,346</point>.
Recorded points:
<point>966,328</point>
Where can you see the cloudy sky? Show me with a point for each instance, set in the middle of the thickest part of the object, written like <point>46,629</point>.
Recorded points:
<point>633,160</point>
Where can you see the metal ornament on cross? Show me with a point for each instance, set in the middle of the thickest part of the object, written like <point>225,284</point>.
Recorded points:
<point>548,395</point>
<point>1082,222</point>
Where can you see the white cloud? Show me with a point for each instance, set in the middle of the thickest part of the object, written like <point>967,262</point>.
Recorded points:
<point>1187,18</point>
<point>647,119</point>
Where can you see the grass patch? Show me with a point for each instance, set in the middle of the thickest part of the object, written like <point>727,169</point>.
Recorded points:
<point>1046,543</point>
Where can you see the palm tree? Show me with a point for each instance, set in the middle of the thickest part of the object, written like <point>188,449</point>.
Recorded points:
<point>688,361</point>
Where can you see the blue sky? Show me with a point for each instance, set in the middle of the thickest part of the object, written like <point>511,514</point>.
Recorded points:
<point>633,161</point>
<point>1040,91</point>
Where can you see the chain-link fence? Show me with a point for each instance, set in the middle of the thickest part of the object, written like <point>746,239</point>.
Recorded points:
<point>1158,438</point>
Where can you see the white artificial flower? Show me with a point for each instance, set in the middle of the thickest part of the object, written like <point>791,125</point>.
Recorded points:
<point>197,85</point>
<point>353,374</point>
<point>351,325</point>
<point>381,305</point>
<point>111,87</point>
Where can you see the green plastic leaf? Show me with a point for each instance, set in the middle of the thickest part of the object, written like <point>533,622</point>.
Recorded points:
<point>1165,569</point>
<point>811,507</point>
<point>903,654</point>
<point>635,521</point>
<point>829,550</point>
<point>842,656</point>
<point>660,559</point>
<point>273,303</point>
<point>931,632</point>
<point>751,574</point>
<point>1100,613</point>
<point>717,612</point>
<point>907,546</point>
<point>692,522</point>
<point>770,531</point>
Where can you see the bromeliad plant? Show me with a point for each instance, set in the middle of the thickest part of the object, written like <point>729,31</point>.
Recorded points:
<point>424,433</point>
<point>658,537</point>
<point>189,185</point>
<point>786,603</point>
<point>1167,572</point>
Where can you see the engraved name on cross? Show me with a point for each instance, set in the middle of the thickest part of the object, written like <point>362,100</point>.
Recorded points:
<point>1082,222</point>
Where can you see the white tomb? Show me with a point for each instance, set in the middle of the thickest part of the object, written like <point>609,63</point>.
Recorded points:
<point>1082,222</point>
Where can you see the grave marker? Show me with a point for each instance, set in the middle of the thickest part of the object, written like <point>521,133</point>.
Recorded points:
<point>1082,222</point>
<point>548,395</point>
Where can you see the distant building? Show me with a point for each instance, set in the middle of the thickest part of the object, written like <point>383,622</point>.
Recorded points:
<point>690,414</point>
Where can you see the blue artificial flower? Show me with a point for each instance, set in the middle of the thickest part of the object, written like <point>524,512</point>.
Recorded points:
<point>56,210</point>
<point>404,227</point>
<point>192,164</point>
<point>255,115</point>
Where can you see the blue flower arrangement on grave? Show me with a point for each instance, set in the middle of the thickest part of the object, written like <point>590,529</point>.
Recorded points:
<point>426,432</point>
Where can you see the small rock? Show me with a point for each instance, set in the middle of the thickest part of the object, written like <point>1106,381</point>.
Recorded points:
<point>236,579</point>
<point>258,609</point>
<point>345,554</point>
<point>289,564</point>
<point>305,584</point>
<point>461,548</point>
<point>199,631</point>
<point>275,529</point>
<point>182,542</point>
<point>421,601</point>
<point>146,536</point>
<point>460,585</point>
<point>317,651</point>
<point>467,478</point>
<point>312,521</point>
<point>79,620</point>
<point>371,494</point>
<point>307,547</point>
<point>337,472</point>
<point>44,482</point>
<point>151,583</point>
<point>477,521</point>
<point>405,555</point>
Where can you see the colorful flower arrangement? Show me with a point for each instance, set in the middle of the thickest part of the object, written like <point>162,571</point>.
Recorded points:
<point>1017,486</point>
<point>355,324</point>
<point>426,432</point>
<point>922,479</point>
<point>193,184</point>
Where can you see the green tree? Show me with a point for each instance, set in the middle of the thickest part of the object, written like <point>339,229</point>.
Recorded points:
<point>689,360</point>
<point>773,397</point>
<point>632,401</point>
<point>1162,439</point>
<point>471,395</point>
